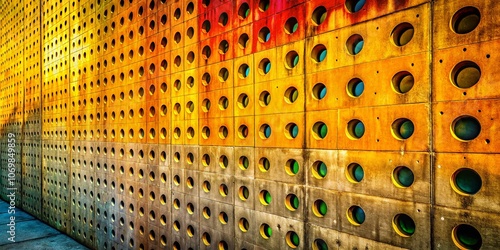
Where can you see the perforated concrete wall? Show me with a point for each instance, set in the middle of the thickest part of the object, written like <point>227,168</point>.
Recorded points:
<point>254,124</point>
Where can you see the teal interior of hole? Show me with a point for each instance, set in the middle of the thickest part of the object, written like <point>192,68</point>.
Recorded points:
<point>267,197</point>
<point>467,128</point>
<point>322,55</point>
<point>245,192</point>
<point>357,172</point>
<point>321,92</point>
<point>469,236</point>
<point>406,129</point>
<point>321,207</point>
<point>294,131</point>
<point>321,244</point>
<point>358,214</point>
<point>358,88</point>
<point>295,60</point>
<point>246,71</point>
<point>294,201</point>
<point>268,231</point>
<point>295,27</point>
<point>245,162</point>
<point>406,224</point>
<point>358,5</point>
<point>322,169</point>
<point>267,131</point>
<point>357,47</point>
<point>468,181</point>
<point>267,36</point>
<point>267,67</point>
<point>406,84</point>
<point>323,130</point>
<point>359,129</point>
<point>405,176</point>
<point>294,239</point>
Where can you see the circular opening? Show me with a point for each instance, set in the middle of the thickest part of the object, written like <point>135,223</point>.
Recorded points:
<point>205,105</point>
<point>243,162</point>
<point>402,82</point>
<point>291,95</point>
<point>466,237</point>
<point>190,182</point>
<point>465,128</point>
<point>354,6</point>
<point>319,208</point>
<point>292,167</point>
<point>266,231</point>
<point>243,193</point>
<point>264,164</point>
<point>190,57</point>
<point>177,37</point>
<point>320,130</point>
<point>465,74</point>
<point>223,74</point>
<point>465,20</point>
<point>223,218</point>
<point>264,66</point>
<point>243,100</point>
<point>244,71</point>
<point>319,53</point>
<point>243,131</point>
<point>223,18</point>
<point>355,173</point>
<point>189,107</point>
<point>355,129</point>
<point>291,25</point>
<point>292,202</point>
<point>319,170</point>
<point>402,128</point>
<point>356,215</point>
<point>206,213</point>
<point>291,59</point>
<point>319,91</point>
<point>403,225</point>
<point>190,8</point>
<point>223,132</point>
<point>223,47</point>
<point>243,11</point>
<point>291,130</point>
<point>177,226</point>
<point>320,244</point>
<point>177,14</point>
<point>223,245</point>
<point>190,231</point>
<point>355,44</point>
<point>206,52</point>
<point>319,15</point>
<point>205,132</point>
<point>243,224</point>
<point>466,181</point>
<point>243,40</point>
<point>265,197</point>
<point>264,35</point>
<point>264,5</point>
<point>264,98</point>
<point>206,239</point>
<point>265,131</point>
<point>205,160</point>
<point>292,239</point>
<point>402,34</point>
<point>402,177</point>
<point>223,190</point>
<point>223,162</point>
<point>190,208</point>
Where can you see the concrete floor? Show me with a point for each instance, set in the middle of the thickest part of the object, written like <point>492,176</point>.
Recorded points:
<point>31,233</point>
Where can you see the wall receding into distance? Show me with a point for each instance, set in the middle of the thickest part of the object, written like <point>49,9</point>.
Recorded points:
<point>254,124</point>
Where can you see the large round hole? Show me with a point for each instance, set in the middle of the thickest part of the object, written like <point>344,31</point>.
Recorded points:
<point>223,132</point>
<point>318,53</point>
<point>243,193</point>
<point>243,101</point>
<point>355,173</point>
<point>243,224</point>
<point>319,91</point>
<point>244,71</point>
<point>292,202</point>
<point>223,47</point>
<point>264,164</point>
<point>265,197</point>
<point>291,25</point>
<point>292,167</point>
<point>266,231</point>
<point>264,35</point>
<point>355,44</point>
<point>356,215</point>
<point>354,6</point>
<point>223,74</point>
<point>205,26</point>
<point>465,74</point>
<point>403,225</point>
<point>466,181</point>
<point>206,52</point>
<point>291,130</point>
<point>243,11</point>
<point>355,87</point>
<point>319,15</point>
<point>223,19</point>
<point>265,131</point>
<point>402,177</point>
<point>292,239</point>
<point>264,5</point>
<point>320,244</point>
<point>319,208</point>
<point>243,131</point>
<point>291,59</point>
<point>319,170</point>
<point>291,95</point>
<point>320,130</point>
<point>264,98</point>
<point>466,237</point>
<point>465,20</point>
<point>243,40</point>
<point>243,162</point>
<point>402,34</point>
<point>465,128</point>
<point>402,128</point>
<point>402,82</point>
<point>355,129</point>
<point>264,66</point>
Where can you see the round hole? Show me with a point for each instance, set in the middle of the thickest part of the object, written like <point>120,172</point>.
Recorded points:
<point>223,132</point>
<point>177,14</point>
<point>243,101</point>
<point>243,131</point>
<point>265,131</point>
<point>264,5</point>
<point>354,6</point>
<point>189,107</point>
<point>243,193</point>
<point>319,91</point>
<point>465,20</point>
<point>206,52</point>
<point>264,35</point>
<point>243,11</point>
<point>291,130</point>
<point>292,202</point>
<point>243,40</point>
<point>264,164</point>
<point>402,82</point>
<point>319,170</point>
<point>402,34</point>
<point>319,208</point>
<point>266,231</point>
<point>205,79</point>
<point>355,44</point>
<point>319,53</point>
<point>264,98</point>
<point>206,239</point>
<point>403,225</point>
<point>223,218</point>
<point>356,215</point>
<point>243,162</point>
<point>223,18</point>
<point>466,181</point>
<point>243,224</point>
<point>244,71</point>
<point>402,177</point>
<point>292,59</point>
<point>190,32</point>
<point>223,190</point>
<point>320,244</point>
<point>355,173</point>
<point>320,130</point>
<point>223,162</point>
<point>292,167</point>
<point>466,237</point>
<point>205,105</point>
<point>465,128</point>
<point>190,8</point>
<point>190,182</point>
<point>355,129</point>
<point>465,74</point>
<point>265,197</point>
<point>206,186</point>
<point>291,25</point>
<point>205,160</point>
<point>206,213</point>
<point>223,47</point>
<point>205,132</point>
<point>319,15</point>
<point>292,239</point>
<point>223,74</point>
<point>190,208</point>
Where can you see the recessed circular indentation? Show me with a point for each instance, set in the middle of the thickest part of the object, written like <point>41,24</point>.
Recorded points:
<point>292,239</point>
<point>223,132</point>
<point>243,131</point>
<point>266,231</point>
<point>291,25</point>
<point>264,35</point>
<point>190,32</point>
<point>205,132</point>
<point>402,34</point>
<point>402,82</point>
<point>243,224</point>
<point>265,131</point>
<point>356,215</point>
<point>243,193</point>
<point>402,177</point>
<point>206,52</point>
<point>466,237</point>
<point>465,74</point>
<point>244,71</point>
<point>319,15</point>
<point>466,181</point>
<point>223,190</point>
<point>205,79</point>
<point>319,53</point>
<point>291,130</point>
<point>292,167</point>
<point>243,40</point>
<point>319,170</point>
<point>355,44</point>
<point>320,130</point>
<point>354,6</point>
<point>223,161</point>
<point>243,11</point>
<point>292,202</point>
<point>465,128</point>
<point>223,47</point>
<point>319,91</point>
<point>320,244</point>
<point>190,8</point>
<point>223,19</point>
<point>264,5</point>
<point>206,212</point>
<point>291,59</point>
<point>265,197</point>
<point>264,98</point>
<point>223,74</point>
<point>223,218</point>
<point>355,129</point>
<point>354,173</point>
<point>319,208</point>
<point>402,128</point>
<point>190,133</point>
<point>190,208</point>
<point>205,237</point>
<point>189,107</point>
<point>206,186</point>
<point>190,231</point>
<point>465,20</point>
<point>291,95</point>
<point>243,162</point>
<point>205,105</point>
<point>176,204</point>
<point>264,164</point>
<point>403,225</point>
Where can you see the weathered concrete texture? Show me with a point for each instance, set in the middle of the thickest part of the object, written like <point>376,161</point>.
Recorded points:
<point>31,233</point>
